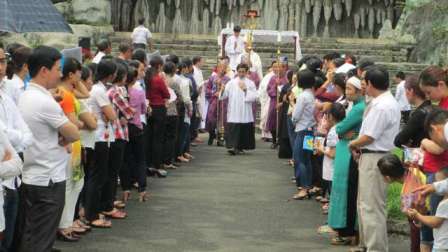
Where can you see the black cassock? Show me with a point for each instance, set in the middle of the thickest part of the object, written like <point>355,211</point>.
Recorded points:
<point>284,150</point>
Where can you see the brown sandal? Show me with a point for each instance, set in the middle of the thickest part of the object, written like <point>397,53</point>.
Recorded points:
<point>116,214</point>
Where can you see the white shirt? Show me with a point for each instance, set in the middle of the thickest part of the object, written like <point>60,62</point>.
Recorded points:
<point>198,76</point>
<point>14,87</point>
<point>15,128</point>
<point>8,170</point>
<point>263,89</point>
<point>303,114</point>
<point>239,108</point>
<point>87,136</point>
<point>255,60</point>
<point>441,233</point>
<point>45,159</point>
<point>140,35</point>
<point>328,163</point>
<point>400,96</point>
<point>345,68</point>
<point>98,99</point>
<point>381,122</point>
<point>185,85</point>
<point>234,52</point>
<point>98,57</point>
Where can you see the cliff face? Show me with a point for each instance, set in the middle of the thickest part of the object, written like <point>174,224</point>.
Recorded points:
<point>321,18</point>
<point>427,22</point>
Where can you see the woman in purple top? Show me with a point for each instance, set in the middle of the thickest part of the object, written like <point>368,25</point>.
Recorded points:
<point>137,100</point>
<point>211,94</point>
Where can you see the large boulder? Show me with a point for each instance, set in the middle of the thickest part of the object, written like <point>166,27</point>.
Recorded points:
<point>427,22</point>
<point>58,39</point>
<point>91,12</point>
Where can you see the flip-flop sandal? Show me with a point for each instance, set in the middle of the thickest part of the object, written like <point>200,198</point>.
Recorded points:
<point>119,204</point>
<point>116,214</point>
<point>104,224</point>
<point>340,241</point>
<point>325,229</point>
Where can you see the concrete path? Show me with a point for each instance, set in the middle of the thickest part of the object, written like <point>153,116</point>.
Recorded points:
<point>219,203</point>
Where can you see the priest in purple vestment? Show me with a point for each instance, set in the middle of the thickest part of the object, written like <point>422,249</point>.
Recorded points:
<point>274,87</point>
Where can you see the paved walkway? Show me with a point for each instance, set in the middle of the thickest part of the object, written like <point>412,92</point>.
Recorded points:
<point>219,203</point>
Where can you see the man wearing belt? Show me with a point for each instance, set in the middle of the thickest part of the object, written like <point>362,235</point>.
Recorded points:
<point>380,125</point>
<point>20,137</point>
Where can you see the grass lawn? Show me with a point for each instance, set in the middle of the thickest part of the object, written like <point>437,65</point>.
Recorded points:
<point>393,195</point>
<point>393,202</point>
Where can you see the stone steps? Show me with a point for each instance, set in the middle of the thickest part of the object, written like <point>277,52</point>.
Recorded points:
<point>392,55</point>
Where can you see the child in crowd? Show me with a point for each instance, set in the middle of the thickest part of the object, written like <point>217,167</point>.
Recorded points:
<point>335,115</point>
<point>393,170</point>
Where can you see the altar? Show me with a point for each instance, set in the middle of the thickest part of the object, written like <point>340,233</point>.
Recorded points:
<point>265,36</point>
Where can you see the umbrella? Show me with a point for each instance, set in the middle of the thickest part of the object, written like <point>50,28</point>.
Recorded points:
<point>31,16</point>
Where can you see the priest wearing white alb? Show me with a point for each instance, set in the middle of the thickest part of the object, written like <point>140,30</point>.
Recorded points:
<point>241,93</point>
<point>254,60</point>
<point>264,103</point>
<point>234,47</point>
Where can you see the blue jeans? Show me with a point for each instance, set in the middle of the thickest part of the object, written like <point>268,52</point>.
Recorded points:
<point>185,138</point>
<point>10,207</point>
<point>434,200</point>
<point>302,161</point>
<point>291,132</point>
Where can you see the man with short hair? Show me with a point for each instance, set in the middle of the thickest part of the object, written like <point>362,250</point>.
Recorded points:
<point>380,126</point>
<point>141,36</point>
<point>241,94</point>
<point>44,171</point>
<point>125,51</point>
<point>400,95</point>
<point>234,47</point>
<point>104,48</point>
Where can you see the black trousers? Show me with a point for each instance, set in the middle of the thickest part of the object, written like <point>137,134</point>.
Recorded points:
<point>116,156</point>
<point>169,147</point>
<point>134,161</point>
<point>96,179</point>
<point>41,210</point>
<point>352,195</point>
<point>87,159</point>
<point>158,125</point>
<point>180,136</point>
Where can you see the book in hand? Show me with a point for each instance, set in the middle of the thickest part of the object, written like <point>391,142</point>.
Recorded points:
<point>413,156</point>
<point>308,143</point>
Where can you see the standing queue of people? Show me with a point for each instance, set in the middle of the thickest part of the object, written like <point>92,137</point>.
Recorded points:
<point>72,133</point>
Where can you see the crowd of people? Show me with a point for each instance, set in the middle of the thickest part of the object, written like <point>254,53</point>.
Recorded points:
<point>338,123</point>
<point>72,132</point>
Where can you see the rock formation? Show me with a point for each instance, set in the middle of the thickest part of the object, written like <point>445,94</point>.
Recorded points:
<point>321,18</point>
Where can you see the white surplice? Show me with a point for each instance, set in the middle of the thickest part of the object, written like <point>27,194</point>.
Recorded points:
<point>255,60</point>
<point>234,47</point>
<point>264,102</point>
<point>202,102</point>
<point>239,108</point>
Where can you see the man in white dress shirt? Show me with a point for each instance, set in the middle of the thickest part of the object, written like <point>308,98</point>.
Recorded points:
<point>44,171</point>
<point>234,47</point>
<point>400,96</point>
<point>141,36</point>
<point>380,125</point>
<point>241,93</point>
